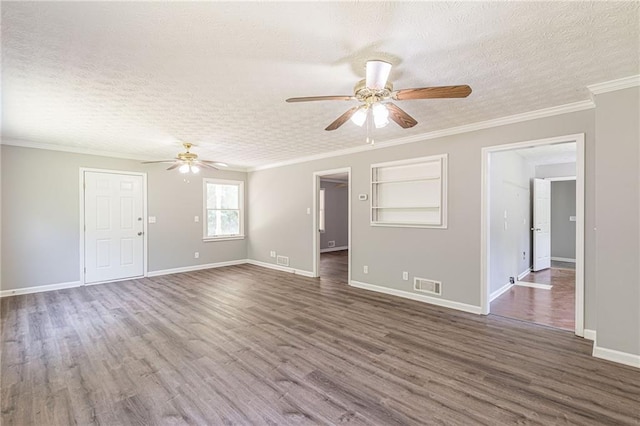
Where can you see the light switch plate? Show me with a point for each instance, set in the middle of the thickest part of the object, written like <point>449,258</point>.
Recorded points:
<point>196,219</point>
<point>152,219</point>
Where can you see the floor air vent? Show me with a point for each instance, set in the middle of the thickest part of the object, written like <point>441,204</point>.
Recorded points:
<point>282,260</point>
<point>427,286</point>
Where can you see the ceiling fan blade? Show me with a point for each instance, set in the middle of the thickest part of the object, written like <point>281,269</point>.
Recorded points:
<point>403,119</point>
<point>160,161</point>
<point>215,163</point>
<point>377,74</point>
<point>322,98</point>
<point>342,119</point>
<point>433,92</point>
<point>205,165</point>
<point>176,165</point>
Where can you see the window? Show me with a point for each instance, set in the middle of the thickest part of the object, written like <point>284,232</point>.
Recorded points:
<point>410,192</point>
<point>223,209</point>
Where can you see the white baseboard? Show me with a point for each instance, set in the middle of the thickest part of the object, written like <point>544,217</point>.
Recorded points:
<point>616,356</point>
<point>39,289</point>
<point>589,334</point>
<point>280,268</point>
<point>534,285</point>
<point>195,267</point>
<point>327,250</point>
<point>563,259</point>
<point>499,292</point>
<point>524,274</point>
<point>419,297</point>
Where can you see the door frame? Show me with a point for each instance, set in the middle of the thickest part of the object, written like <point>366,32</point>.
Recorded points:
<point>82,171</point>
<point>485,249</point>
<point>315,213</point>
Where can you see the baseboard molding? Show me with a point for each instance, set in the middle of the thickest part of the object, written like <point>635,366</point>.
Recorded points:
<point>419,297</point>
<point>327,250</point>
<point>534,285</point>
<point>195,267</point>
<point>616,356</point>
<point>499,292</point>
<point>563,259</point>
<point>524,274</point>
<point>39,289</point>
<point>280,268</point>
<point>589,334</point>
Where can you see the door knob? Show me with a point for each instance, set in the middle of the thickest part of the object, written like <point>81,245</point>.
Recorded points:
<point>140,233</point>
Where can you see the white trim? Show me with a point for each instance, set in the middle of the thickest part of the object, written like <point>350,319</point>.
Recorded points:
<point>563,259</point>
<point>560,179</point>
<point>485,250</point>
<point>613,85</point>
<point>625,358</point>
<point>280,268</point>
<point>534,285</point>
<point>88,151</point>
<point>418,297</point>
<point>145,240</point>
<point>39,289</point>
<point>196,267</point>
<point>499,292</point>
<point>524,273</point>
<point>327,250</point>
<point>511,119</point>
<point>589,334</point>
<point>314,213</point>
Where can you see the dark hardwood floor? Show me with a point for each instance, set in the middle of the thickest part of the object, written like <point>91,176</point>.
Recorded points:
<point>247,345</point>
<point>554,307</point>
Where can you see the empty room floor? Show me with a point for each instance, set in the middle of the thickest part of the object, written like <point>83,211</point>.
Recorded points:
<point>334,265</point>
<point>247,345</point>
<point>554,307</point>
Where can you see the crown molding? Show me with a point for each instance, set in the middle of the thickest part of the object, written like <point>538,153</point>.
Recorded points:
<point>496,122</point>
<point>87,151</point>
<point>613,85</point>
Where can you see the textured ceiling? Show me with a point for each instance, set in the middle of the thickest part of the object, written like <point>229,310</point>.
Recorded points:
<point>549,154</point>
<point>137,78</point>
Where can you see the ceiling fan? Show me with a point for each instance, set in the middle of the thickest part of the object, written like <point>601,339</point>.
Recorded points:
<point>187,161</point>
<point>375,93</point>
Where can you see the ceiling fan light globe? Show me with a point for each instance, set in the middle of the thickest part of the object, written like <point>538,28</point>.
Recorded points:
<point>184,168</point>
<point>359,117</point>
<point>195,169</point>
<point>380,115</point>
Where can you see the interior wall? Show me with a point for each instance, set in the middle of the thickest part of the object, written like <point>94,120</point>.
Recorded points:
<point>510,217</point>
<point>563,230</point>
<point>618,220</point>
<point>41,216</point>
<point>452,256</point>
<point>336,198</point>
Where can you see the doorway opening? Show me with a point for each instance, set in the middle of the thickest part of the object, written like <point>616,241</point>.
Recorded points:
<point>332,224</point>
<point>533,232</point>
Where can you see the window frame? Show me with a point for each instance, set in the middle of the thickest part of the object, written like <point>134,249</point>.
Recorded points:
<point>205,216</point>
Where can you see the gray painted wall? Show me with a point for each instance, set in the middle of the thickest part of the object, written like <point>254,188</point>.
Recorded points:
<point>336,215</point>
<point>279,220</point>
<point>40,216</point>
<point>618,220</point>
<point>563,231</point>
<point>509,189</point>
<point>556,170</point>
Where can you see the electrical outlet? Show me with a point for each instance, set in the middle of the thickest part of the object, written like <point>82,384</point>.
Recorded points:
<point>272,253</point>
<point>405,276</point>
<point>196,255</point>
<point>196,219</point>
<point>524,255</point>
<point>512,280</point>
<point>331,244</point>
<point>365,269</point>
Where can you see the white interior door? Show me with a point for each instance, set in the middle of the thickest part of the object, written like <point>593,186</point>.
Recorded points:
<point>114,226</point>
<point>541,224</point>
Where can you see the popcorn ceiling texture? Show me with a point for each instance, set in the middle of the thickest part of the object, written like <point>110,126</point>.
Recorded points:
<point>138,78</point>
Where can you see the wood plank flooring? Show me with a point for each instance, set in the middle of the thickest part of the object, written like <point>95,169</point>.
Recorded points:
<point>247,345</point>
<point>554,307</point>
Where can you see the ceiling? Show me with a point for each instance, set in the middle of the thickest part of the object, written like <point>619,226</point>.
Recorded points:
<point>549,154</point>
<point>136,79</point>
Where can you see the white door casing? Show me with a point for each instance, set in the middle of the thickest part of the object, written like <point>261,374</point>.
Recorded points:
<point>113,226</point>
<point>541,224</point>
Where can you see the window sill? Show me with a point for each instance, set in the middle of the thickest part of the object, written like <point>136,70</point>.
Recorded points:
<point>234,237</point>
